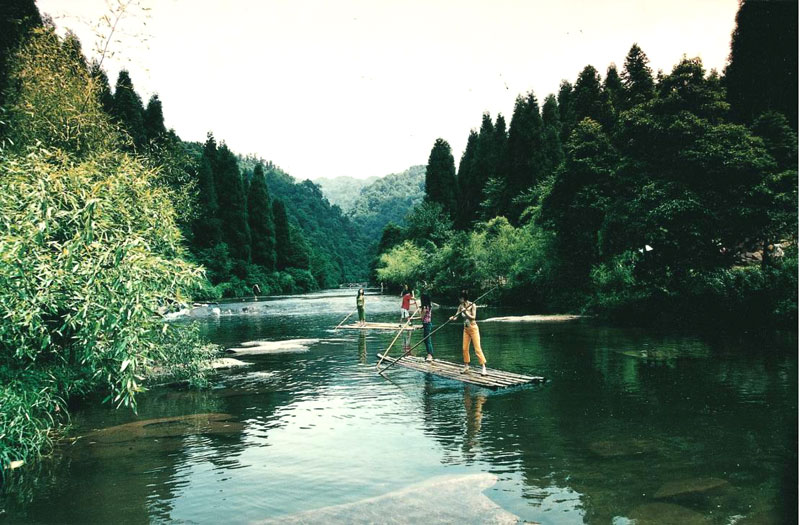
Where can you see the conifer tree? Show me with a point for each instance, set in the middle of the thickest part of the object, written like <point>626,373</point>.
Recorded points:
<point>207,229</point>
<point>612,85</point>
<point>524,145</point>
<point>590,99</point>
<point>566,109</point>
<point>637,77</point>
<point>464,178</point>
<point>440,177</point>
<point>127,108</point>
<point>232,203</point>
<point>553,152</point>
<point>283,239</point>
<point>154,119</point>
<point>762,70</point>
<point>100,78</point>
<point>262,225</point>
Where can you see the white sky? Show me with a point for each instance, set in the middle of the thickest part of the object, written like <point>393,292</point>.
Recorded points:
<point>364,87</point>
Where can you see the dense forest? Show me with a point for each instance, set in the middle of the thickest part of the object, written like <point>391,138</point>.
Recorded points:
<point>633,195</point>
<point>343,191</point>
<point>109,220</point>
<point>388,200</point>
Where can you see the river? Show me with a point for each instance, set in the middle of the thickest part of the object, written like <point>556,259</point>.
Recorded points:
<point>632,424</point>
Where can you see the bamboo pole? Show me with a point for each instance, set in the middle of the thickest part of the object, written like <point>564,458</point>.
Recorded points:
<point>400,331</point>
<point>408,352</point>
<point>345,319</point>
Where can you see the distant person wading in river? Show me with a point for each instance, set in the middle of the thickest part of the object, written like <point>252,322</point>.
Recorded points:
<point>468,311</point>
<point>360,299</point>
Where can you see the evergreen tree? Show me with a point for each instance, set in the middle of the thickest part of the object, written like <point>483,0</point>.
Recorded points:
<point>590,99</point>
<point>480,171</point>
<point>500,148</point>
<point>283,237</point>
<point>566,109</point>
<point>207,228</point>
<point>104,94</point>
<point>232,203</point>
<point>440,177</point>
<point>524,151</point>
<point>612,85</point>
<point>553,152</point>
<point>637,77</point>
<point>128,108</point>
<point>262,226</point>
<point>464,179</point>
<point>762,69</point>
<point>153,119</point>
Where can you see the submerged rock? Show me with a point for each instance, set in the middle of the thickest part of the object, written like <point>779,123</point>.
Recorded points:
<point>445,499</point>
<point>166,427</point>
<point>665,513</point>
<point>272,347</point>
<point>689,486</point>
<point>625,447</point>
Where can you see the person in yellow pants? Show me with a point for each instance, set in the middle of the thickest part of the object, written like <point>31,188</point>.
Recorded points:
<point>468,312</point>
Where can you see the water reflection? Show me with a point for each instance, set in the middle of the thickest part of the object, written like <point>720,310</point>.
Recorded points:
<point>632,424</point>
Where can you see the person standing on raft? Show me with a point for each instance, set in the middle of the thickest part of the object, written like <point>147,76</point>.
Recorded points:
<point>405,304</point>
<point>468,311</point>
<point>360,299</point>
<point>427,325</point>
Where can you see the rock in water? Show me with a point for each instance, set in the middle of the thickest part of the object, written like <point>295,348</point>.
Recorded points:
<point>166,427</point>
<point>227,362</point>
<point>445,499</point>
<point>627,447</point>
<point>665,514</point>
<point>689,486</point>
<point>272,347</point>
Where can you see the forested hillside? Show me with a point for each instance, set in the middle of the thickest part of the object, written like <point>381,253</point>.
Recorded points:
<point>388,200</point>
<point>343,191</point>
<point>632,195</point>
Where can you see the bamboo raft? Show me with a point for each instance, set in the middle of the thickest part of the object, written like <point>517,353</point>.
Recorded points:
<point>394,327</point>
<point>494,379</point>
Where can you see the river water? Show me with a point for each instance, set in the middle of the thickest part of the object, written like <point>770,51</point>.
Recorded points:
<point>651,426</point>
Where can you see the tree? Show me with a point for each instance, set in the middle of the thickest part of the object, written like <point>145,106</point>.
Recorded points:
<point>283,239</point>
<point>762,68</point>
<point>207,228</point>
<point>637,77</point>
<point>153,119</point>
<point>102,86</point>
<point>575,207</point>
<point>590,99</point>
<point>553,152</point>
<point>524,150</point>
<point>440,177</point>
<point>232,203</point>
<point>613,86</point>
<point>566,109</point>
<point>465,178</point>
<point>262,226</point>
<point>128,108</point>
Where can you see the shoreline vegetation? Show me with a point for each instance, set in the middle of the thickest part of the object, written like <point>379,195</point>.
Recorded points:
<point>640,197</point>
<point>633,197</point>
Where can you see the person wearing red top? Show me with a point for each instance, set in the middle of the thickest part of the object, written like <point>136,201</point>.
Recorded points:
<point>405,304</point>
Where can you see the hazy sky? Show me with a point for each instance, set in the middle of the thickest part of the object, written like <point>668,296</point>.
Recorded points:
<point>361,88</point>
